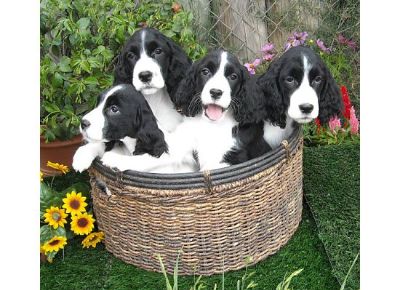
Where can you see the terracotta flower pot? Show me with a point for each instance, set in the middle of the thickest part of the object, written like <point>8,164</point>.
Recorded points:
<point>57,151</point>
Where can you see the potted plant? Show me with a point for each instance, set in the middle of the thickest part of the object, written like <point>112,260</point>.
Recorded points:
<point>79,42</point>
<point>74,68</point>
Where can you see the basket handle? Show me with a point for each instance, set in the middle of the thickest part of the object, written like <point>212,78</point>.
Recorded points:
<point>285,145</point>
<point>207,181</point>
<point>103,189</point>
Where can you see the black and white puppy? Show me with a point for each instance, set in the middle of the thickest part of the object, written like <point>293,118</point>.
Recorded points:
<point>216,97</point>
<point>155,65</point>
<point>121,114</point>
<point>298,88</point>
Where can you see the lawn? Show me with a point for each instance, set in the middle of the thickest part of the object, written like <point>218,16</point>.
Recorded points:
<point>324,245</point>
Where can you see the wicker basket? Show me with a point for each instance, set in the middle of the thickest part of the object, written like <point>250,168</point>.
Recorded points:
<point>218,218</point>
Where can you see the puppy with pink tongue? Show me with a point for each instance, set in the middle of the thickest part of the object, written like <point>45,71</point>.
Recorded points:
<point>213,112</point>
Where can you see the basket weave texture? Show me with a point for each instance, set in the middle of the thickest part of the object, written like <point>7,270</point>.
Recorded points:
<point>218,218</point>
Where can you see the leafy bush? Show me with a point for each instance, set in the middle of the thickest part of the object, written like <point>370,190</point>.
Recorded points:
<point>79,42</point>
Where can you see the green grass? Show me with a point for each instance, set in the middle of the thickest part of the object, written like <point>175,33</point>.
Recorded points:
<point>332,189</point>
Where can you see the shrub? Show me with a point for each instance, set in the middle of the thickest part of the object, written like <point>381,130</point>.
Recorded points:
<point>79,42</point>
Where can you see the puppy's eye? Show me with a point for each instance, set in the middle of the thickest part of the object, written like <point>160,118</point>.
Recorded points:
<point>317,80</point>
<point>205,71</point>
<point>158,50</point>
<point>233,76</point>
<point>130,55</point>
<point>114,109</point>
<point>289,80</point>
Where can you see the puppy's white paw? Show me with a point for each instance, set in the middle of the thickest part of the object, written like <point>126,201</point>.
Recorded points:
<point>82,160</point>
<point>113,159</point>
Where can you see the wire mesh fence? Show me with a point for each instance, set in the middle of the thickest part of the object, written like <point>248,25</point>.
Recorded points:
<point>243,26</point>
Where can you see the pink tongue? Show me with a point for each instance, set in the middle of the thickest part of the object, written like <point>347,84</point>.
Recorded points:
<point>214,112</point>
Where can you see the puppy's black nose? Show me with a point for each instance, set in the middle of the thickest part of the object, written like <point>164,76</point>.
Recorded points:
<point>215,94</point>
<point>145,76</point>
<point>306,108</point>
<point>85,124</point>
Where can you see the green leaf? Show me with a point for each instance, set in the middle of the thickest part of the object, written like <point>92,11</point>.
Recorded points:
<point>85,66</point>
<point>49,135</point>
<point>99,49</point>
<point>64,64</point>
<point>60,231</point>
<point>45,233</point>
<point>91,81</point>
<point>77,187</point>
<point>83,23</point>
<point>57,80</point>
<point>177,26</point>
<point>50,107</point>
<point>48,198</point>
<point>169,33</point>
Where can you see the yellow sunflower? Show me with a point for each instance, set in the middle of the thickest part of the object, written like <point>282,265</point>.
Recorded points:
<point>55,217</point>
<point>63,168</point>
<point>74,203</point>
<point>82,224</point>
<point>56,243</point>
<point>92,239</point>
<point>41,176</point>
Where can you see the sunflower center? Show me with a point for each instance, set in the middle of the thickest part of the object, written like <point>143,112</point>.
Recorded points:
<point>55,242</point>
<point>56,216</point>
<point>75,204</point>
<point>82,222</point>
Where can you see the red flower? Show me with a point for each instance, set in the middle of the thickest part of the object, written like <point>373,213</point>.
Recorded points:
<point>318,122</point>
<point>346,101</point>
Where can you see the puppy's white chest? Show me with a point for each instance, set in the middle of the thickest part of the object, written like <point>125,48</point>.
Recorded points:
<point>213,141</point>
<point>163,109</point>
<point>274,135</point>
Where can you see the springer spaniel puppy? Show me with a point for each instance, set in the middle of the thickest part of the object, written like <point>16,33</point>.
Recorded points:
<point>122,114</point>
<point>298,88</point>
<point>155,65</point>
<point>217,98</point>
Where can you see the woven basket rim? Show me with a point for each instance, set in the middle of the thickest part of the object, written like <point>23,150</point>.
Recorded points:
<point>192,180</point>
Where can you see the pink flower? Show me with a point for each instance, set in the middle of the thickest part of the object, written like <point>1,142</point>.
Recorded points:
<point>350,43</point>
<point>268,56</point>
<point>267,48</point>
<point>297,39</point>
<point>267,51</point>
<point>354,123</point>
<point>322,46</point>
<point>251,67</point>
<point>334,124</point>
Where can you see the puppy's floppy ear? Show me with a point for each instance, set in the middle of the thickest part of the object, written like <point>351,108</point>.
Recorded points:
<point>330,99</point>
<point>185,97</point>
<point>122,71</point>
<point>276,104</point>
<point>178,67</point>
<point>251,108</point>
<point>150,139</point>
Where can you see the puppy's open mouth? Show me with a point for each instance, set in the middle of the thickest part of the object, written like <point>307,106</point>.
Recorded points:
<point>213,112</point>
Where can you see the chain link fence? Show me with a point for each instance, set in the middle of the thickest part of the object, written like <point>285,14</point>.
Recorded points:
<point>243,26</point>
